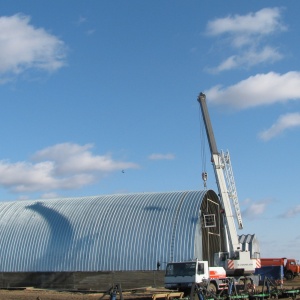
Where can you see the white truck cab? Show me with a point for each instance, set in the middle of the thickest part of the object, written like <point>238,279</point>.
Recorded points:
<point>181,275</point>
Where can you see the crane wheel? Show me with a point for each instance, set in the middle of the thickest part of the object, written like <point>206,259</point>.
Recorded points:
<point>212,288</point>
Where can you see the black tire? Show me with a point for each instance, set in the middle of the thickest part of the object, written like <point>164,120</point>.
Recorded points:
<point>193,296</point>
<point>289,276</point>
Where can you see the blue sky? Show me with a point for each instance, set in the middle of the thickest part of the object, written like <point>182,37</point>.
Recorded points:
<point>100,97</point>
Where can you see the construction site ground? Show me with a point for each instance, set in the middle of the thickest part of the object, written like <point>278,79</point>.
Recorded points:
<point>138,294</point>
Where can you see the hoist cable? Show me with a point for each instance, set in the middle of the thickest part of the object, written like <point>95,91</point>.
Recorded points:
<point>203,147</point>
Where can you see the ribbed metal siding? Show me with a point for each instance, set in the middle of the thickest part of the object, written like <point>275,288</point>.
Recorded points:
<point>114,232</point>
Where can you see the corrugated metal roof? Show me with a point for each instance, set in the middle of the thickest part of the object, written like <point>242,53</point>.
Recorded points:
<point>112,232</point>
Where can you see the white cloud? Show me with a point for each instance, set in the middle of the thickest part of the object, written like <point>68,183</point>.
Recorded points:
<point>256,57</point>
<point>242,28</point>
<point>63,166</point>
<point>292,212</point>
<point>247,36</point>
<point>258,90</point>
<point>71,158</point>
<point>248,58</point>
<point>283,123</point>
<point>25,47</point>
<point>256,209</point>
<point>159,156</point>
<point>229,63</point>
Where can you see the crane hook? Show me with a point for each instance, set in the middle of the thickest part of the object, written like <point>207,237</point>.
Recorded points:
<point>204,178</point>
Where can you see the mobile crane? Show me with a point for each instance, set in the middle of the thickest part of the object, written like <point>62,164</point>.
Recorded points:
<point>233,258</point>
<point>232,264</point>
<point>235,273</point>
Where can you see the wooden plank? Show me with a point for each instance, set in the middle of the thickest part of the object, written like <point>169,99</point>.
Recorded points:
<point>175,295</point>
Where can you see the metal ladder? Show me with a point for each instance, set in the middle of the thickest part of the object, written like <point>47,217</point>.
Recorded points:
<point>232,193</point>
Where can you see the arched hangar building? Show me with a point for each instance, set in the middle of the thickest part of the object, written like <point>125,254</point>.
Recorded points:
<point>47,242</point>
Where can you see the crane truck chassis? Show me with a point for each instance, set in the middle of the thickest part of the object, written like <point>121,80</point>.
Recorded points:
<point>182,275</point>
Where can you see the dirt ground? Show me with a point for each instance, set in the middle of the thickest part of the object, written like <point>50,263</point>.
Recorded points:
<point>38,294</point>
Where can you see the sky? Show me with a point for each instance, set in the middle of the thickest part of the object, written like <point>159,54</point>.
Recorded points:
<point>100,97</point>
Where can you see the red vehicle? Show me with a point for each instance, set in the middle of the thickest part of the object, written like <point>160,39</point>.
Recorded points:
<point>290,266</point>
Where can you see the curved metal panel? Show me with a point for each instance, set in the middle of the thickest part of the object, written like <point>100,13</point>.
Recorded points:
<point>100,233</point>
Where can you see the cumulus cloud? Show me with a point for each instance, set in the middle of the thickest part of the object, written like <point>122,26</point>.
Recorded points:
<point>261,89</point>
<point>255,209</point>
<point>62,166</point>
<point>246,34</point>
<point>262,22</point>
<point>159,156</point>
<point>295,211</point>
<point>73,158</point>
<point>283,123</point>
<point>25,47</point>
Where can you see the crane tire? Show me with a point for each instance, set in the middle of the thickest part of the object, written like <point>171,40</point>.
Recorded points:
<point>212,288</point>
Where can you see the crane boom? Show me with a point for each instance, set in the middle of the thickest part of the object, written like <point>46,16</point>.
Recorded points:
<point>218,166</point>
